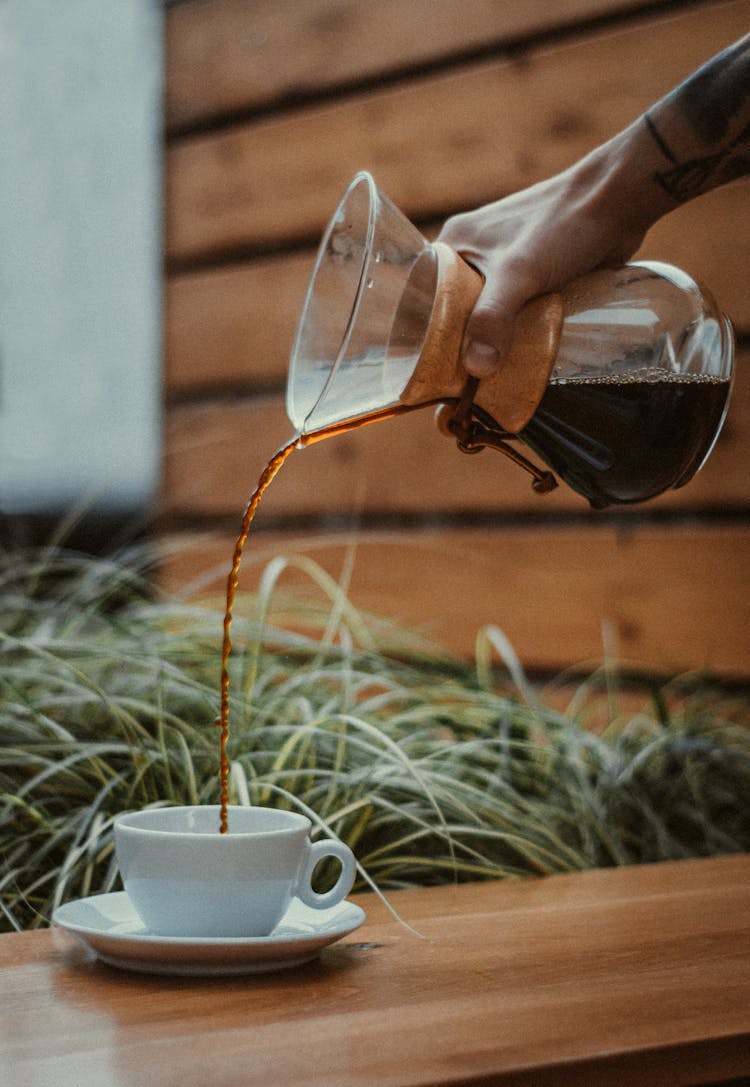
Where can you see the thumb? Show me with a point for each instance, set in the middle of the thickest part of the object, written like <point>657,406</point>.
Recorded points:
<point>489,330</point>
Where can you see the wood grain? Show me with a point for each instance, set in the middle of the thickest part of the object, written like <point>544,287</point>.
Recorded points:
<point>664,598</point>
<point>502,125</point>
<point>637,977</point>
<point>457,104</point>
<point>230,55</point>
<point>233,325</point>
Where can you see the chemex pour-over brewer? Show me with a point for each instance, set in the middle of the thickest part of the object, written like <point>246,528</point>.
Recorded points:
<point>620,383</point>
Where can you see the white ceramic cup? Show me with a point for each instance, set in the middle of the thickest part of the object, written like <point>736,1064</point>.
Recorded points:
<point>184,878</point>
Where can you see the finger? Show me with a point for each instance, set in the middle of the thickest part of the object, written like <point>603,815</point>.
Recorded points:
<point>480,359</point>
<point>489,330</point>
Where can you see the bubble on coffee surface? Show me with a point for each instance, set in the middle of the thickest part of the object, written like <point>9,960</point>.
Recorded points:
<point>640,376</point>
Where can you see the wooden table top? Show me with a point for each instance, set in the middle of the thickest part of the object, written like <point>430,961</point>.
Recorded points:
<point>607,978</point>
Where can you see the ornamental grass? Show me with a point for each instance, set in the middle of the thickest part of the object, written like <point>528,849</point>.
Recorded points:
<point>432,769</point>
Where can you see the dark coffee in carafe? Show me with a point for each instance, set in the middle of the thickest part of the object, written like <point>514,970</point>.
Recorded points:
<point>620,441</point>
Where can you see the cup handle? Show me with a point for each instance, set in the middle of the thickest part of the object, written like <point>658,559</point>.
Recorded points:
<point>316,852</point>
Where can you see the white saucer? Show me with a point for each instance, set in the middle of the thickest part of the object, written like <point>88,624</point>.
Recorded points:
<point>109,925</point>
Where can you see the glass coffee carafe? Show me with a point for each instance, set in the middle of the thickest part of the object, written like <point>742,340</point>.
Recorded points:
<point>620,383</point>
<point>640,385</point>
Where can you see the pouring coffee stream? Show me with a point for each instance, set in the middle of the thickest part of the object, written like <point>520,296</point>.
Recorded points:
<point>620,383</point>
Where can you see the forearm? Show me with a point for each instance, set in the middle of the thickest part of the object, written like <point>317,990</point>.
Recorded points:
<point>702,128</point>
<point>597,211</point>
<point>693,140</point>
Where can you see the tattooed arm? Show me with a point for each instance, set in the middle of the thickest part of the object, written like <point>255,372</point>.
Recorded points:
<point>597,212</point>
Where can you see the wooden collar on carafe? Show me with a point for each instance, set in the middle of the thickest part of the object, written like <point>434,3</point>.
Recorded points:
<point>512,394</point>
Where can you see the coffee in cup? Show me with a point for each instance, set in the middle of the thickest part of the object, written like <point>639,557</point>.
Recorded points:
<point>186,879</point>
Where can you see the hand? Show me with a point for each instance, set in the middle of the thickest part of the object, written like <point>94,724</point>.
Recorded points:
<point>536,241</point>
<point>597,212</point>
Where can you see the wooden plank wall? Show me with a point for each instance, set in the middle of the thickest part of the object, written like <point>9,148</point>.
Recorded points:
<point>271,108</point>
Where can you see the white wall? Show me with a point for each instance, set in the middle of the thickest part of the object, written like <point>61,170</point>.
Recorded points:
<point>80,253</point>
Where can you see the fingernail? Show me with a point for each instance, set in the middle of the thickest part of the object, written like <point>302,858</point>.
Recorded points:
<point>480,359</point>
